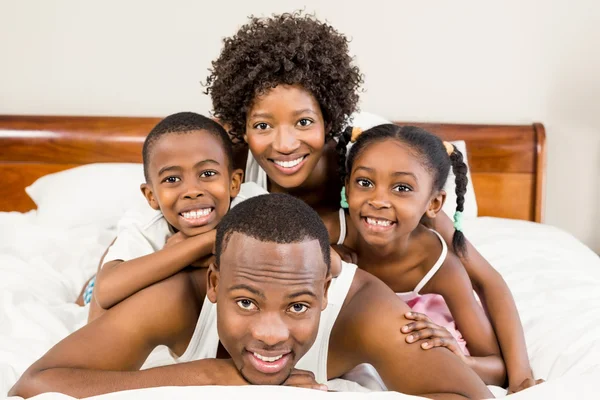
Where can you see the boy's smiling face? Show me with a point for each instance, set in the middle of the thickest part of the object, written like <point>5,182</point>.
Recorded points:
<point>191,181</point>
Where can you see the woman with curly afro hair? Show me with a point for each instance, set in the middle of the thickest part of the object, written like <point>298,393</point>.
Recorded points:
<point>286,87</point>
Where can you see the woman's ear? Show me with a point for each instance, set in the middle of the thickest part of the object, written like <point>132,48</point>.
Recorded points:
<point>435,204</point>
<point>149,195</point>
<point>212,283</point>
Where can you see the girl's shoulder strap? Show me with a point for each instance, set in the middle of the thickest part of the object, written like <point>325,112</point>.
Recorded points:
<point>438,264</point>
<point>342,237</point>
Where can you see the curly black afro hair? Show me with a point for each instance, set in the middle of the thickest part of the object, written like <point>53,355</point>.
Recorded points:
<point>291,49</point>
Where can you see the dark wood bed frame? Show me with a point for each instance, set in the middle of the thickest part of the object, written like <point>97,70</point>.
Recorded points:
<point>507,161</point>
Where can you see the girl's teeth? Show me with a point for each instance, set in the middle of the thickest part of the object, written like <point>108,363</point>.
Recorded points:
<point>267,359</point>
<point>289,164</point>
<point>378,222</point>
<point>197,213</point>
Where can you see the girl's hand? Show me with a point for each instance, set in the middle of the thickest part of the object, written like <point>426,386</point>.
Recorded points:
<point>430,335</point>
<point>345,253</point>
<point>527,383</point>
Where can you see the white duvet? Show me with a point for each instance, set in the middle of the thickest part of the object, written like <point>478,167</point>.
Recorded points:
<point>554,278</point>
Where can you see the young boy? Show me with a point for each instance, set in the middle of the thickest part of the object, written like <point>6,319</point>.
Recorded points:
<point>190,183</point>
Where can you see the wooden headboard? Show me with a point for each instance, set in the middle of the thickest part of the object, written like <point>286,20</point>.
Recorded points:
<point>507,161</point>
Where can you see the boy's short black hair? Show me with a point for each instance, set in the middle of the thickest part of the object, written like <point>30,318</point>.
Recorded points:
<point>185,122</point>
<point>278,218</point>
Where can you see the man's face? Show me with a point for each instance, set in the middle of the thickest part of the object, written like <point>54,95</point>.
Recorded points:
<point>270,297</point>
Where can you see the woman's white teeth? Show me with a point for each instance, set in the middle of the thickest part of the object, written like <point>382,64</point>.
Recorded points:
<point>267,359</point>
<point>289,164</point>
<point>378,222</point>
<point>197,213</point>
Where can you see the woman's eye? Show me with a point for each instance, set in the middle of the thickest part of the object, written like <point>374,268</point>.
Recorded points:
<point>364,183</point>
<point>208,174</point>
<point>261,126</point>
<point>298,308</point>
<point>171,179</point>
<point>305,122</point>
<point>246,304</point>
<point>402,188</point>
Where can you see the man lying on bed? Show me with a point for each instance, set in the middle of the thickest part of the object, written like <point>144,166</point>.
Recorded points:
<point>276,298</point>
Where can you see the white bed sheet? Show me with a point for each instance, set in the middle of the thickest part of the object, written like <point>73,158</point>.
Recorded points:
<point>554,278</point>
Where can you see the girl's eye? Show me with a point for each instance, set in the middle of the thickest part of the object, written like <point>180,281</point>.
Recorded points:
<point>305,122</point>
<point>298,308</point>
<point>261,126</point>
<point>402,188</point>
<point>171,179</point>
<point>364,183</point>
<point>207,174</point>
<point>246,304</point>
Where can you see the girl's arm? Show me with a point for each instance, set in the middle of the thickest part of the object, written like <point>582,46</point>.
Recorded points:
<point>452,282</point>
<point>118,280</point>
<point>500,305</point>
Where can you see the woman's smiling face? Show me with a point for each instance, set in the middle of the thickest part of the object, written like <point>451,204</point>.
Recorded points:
<point>285,132</point>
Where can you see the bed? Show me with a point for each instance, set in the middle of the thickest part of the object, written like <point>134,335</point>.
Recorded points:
<point>54,233</point>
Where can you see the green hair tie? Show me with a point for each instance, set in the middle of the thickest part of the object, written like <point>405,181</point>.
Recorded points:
<point>458,216</point>
<point>343,201</point>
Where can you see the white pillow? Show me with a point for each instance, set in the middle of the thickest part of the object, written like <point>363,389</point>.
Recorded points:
<point>365,120</point>
<point>93,194</point>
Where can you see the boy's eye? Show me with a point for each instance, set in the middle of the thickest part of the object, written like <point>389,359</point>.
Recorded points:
<point>208,174</point>
<point>246,304</point>
<point>171,179</point>
<point>298,308</point>
<point>305,122</point>
<point>261,126</point>
<point>364,183</point>
<point>402,188</point>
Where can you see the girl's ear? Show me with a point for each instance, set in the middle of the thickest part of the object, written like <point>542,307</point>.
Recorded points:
<point>435,204</point>
<point>149,195</point>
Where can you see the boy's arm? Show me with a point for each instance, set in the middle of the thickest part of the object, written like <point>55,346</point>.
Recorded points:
<point>118,280</point>
<point>500,305</point>
<point>368,332</point>
<point>105,355</point>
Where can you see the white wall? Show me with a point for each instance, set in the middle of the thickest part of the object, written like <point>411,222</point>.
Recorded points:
<point>462,61</point>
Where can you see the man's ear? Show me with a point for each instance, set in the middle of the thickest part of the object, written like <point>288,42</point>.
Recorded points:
<point>435,204</point>
<point>237,176</point>
<point>212,283</point>
<point>149,195</point>
<point>326,291</point>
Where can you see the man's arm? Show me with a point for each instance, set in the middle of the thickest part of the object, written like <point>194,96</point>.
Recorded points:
<point>499,303</point>
<point>368,331</point>
<point>105,355</point>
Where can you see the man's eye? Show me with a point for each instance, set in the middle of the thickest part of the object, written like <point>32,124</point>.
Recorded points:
<point>246,304</point>
<point>298,308</point>
<point>171,179</point>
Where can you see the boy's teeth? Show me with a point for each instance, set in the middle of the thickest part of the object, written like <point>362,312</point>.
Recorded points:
<point>378,222</point>
<point>289,164</point>
<point>267,359</point>
<point>197,213</point>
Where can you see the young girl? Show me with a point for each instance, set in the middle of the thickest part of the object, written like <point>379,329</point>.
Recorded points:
<point>396,179</point>
<point>286,87</point>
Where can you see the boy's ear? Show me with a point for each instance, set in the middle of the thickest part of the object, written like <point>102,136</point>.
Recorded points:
<point>236,182</point>
<point>212,283</point>
<point>149,195</point>
<point>436,204</point>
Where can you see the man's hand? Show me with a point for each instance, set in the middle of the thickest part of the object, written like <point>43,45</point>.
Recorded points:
<point>303,379</point>
<point>430,335</point>
<point>526,383</point>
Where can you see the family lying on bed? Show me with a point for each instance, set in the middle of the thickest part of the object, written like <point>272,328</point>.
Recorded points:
<point>290,310</point>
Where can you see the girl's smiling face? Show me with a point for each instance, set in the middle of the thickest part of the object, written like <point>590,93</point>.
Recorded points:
<point>388,191</point>
<point>285,132</point>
